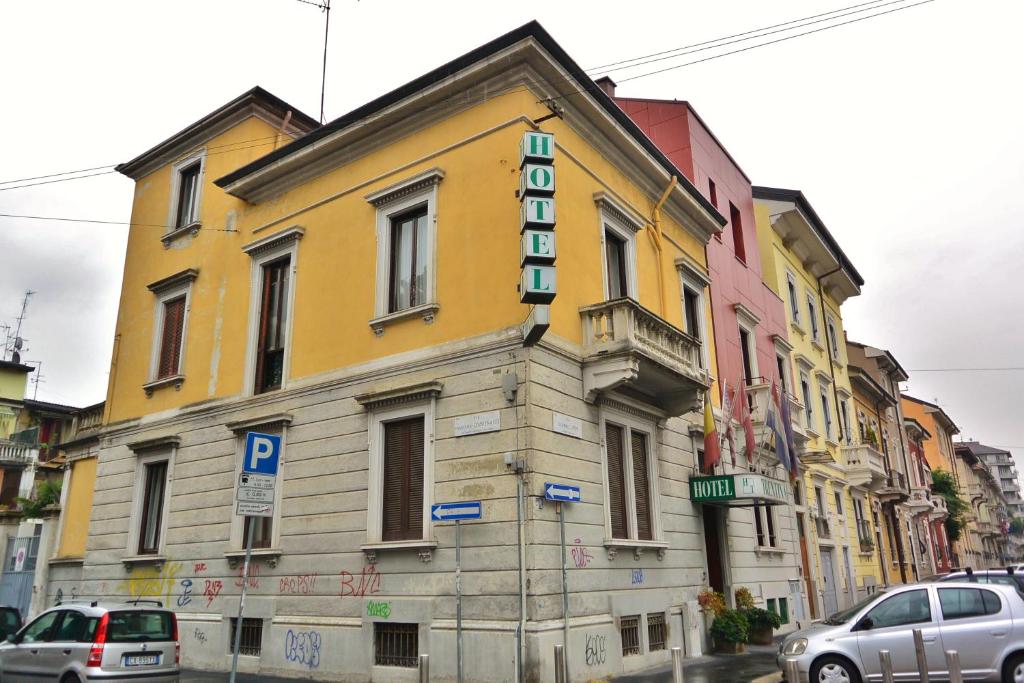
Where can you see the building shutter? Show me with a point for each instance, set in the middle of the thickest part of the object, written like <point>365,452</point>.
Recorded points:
<point>170,343</point>
<point>642,483</point>
<point>402,514</point>
<point>616,481</point>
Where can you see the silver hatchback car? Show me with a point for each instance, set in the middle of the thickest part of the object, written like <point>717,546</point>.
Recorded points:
<point>75,643</point>
<point>983,623</point>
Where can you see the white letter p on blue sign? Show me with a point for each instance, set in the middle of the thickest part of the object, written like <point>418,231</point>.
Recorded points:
<point>262,452</point>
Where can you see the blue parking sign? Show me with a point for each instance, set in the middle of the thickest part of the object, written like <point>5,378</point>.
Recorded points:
<point>262,453</point>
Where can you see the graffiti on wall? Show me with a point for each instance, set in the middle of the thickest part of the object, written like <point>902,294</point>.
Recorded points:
<point>254,576</point>
<point>211,590</point>
<point>581,557</point>
<point>366,582</point>
<point>200,636</point>
<point>595,650</point>
<point>302,584</point>
<point>378,608</point>
<point>152,582</point>
<point>303,647</point>
<point>638,577</point>
<point>185,597</point>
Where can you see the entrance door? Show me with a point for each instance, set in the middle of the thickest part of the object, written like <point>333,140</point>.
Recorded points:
<point>18,571</point>
<point>829,583</point>
<point>713,549</point>
<point>806,565</point>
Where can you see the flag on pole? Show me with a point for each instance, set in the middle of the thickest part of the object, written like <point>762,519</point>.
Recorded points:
<point>787,425</point>
<point>712,453</point>
<point>748,425</point>
<point>728,403</point>
<point>773,422</point>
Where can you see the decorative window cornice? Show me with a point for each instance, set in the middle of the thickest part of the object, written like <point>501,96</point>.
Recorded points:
<point>620,212</point>
<point>628,409</point>
<point>746,316</point>
<point>844,392</point>
<point>409,186</point>
<point>275,241</point>
<point>803,361</point>
<point>183,277</point>
<point>398,395</point>
<point>782,344</point>
<point>692,270</point>
<point>272,421</point>
<point>823,377</point>
<point>151,444</point>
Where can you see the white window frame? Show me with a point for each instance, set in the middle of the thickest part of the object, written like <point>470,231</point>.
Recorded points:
<point>793,296</point>
<point>624,231</point>
<point>237,539</point>
<point>420,189</point>
<point>689,279</point>
<point>827,423</point>
<point>262,252</point>
<point>812,317</point>
<point>808,399</point>
<point>172,211</point>
<point>751,331</point>
<point>832,332</point>
<point>378,418</point>
<point>649,428</point>
<point>167,454</point>
<point>763,512</point>
<point>164,296</point>
<point>844,417</point>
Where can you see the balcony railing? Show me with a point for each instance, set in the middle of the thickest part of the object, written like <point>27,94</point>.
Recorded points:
<point>920,500</point>
<point>865,465</point>
<point>16,453</point>
<point>939,508</point>
<point>624,344</point>
<point>895,488</point>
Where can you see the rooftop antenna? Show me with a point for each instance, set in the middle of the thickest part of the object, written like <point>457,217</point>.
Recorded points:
<point>323,78</point>
<point>37,377</point>
<point>21,317</point>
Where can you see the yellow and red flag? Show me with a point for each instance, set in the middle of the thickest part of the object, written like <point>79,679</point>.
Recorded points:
<point>712,451</point>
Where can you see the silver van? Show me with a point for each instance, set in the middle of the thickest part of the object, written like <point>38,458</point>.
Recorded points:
<point>73,643</point>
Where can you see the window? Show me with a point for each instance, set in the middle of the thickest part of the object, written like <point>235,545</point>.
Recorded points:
<point>693,283</point>
<point>628,468</point>
<point>261,536</point>
<point>712,193</point>
<point>170,338</point>
<point>770,606</point>
<point>839,503</point>
<point>783,366</point>
<point>833,337</point>
<point>402,511</point>
<point>629,631</point>
<point>187,211</point>
<point>615,265</point>
<point>844,416</point>
<point>692,312</point>
<point>75,627</point>
<point>40,630</point>
<point>395,644</point>
<point>963,603</point>
<point>764,526</point>
<point>826,411</point>
<point>812,317</point>
<point>784,610</point>
<point>250,641</point>
<point>10,487</point>
<point>748,355</point>
<point>153,494</point>
<point>407,273</point>
<point>737,233</point>
<point>794,299</point>
<point>655,632</point>
<point>272,331</point>
<point>910,607</point>
<point>805,391</point>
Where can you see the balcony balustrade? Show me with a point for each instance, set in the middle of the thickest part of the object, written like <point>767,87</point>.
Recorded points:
<point>865,466</point>
<point>12,452</point>
<point>894,490</point>
<point>919,500</point>
<point>627,347</point>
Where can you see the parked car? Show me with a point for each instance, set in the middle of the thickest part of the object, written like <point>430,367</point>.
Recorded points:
<point>984,623</point>
<point>1004,576</point>
<point>10,621</point>
<point>73,643</point>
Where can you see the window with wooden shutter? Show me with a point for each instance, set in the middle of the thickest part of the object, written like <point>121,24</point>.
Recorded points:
<point>616,480</point>
<point>261,535</point>
<point>154,485</point>
<point>272,330</point>
<point>641,486</point>
<point>402,513</point>
<point>171,337</point>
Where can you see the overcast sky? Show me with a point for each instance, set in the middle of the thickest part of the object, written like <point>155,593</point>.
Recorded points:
<point>904,132</point>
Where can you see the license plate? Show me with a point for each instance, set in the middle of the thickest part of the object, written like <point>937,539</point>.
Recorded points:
<point>141,660</point>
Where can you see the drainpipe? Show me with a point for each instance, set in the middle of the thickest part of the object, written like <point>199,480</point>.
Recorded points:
<point>655,237</point>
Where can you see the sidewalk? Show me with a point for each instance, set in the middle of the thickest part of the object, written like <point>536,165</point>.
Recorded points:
<point>757,665</point>
<point>193,676</point>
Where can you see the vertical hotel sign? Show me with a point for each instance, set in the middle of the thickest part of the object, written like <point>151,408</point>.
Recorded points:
<point>537,218</point>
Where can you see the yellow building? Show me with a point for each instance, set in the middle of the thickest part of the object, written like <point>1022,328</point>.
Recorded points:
<point>805,266</point>
<point>382,294</point>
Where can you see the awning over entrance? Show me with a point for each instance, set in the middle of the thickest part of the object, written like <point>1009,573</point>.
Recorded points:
<point>740,490</point>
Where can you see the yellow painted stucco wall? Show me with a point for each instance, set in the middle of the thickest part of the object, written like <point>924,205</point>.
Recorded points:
<point>75,529</point>
<point>12,384</point>
<point>477,253</point>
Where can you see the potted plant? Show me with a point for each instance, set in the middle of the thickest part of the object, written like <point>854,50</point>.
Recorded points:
<point>730,631</point>
<point>744,598</point>
<point>761,622</point>
<point>866,545</point>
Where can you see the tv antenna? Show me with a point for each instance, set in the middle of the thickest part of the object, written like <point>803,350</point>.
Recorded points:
<point>14,344</point>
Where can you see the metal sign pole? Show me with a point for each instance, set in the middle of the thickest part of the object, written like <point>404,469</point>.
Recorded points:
<point>241,601</point>
<point>458,597</point>
<point>565,587</point>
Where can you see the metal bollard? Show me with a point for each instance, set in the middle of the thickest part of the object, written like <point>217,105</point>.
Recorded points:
<point>424,668</point>
<point>886,661</point>
<point>559,664</point>
<point>677,665</point>
<point>953,664</point>
<point>792,671</point>
<point>922,659</point>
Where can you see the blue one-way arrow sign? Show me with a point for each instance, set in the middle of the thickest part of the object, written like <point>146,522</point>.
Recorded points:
<point>562,492</point>
<point>449,512</point>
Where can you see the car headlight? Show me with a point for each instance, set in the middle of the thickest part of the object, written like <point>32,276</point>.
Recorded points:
<point>795,647</point>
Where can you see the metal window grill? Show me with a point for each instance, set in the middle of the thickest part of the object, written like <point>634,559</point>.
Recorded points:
<point>251,637</point>
<point>656,631</point>
<point>396,644</point>
<point>629,631</point>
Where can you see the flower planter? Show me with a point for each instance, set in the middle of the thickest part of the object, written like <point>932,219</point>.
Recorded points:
<point>761,636</point>
<point>727,648</point>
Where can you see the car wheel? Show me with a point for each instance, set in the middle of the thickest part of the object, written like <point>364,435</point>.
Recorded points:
<point>834,670</point>
<point>69,678</point>
<point>1013,670</point>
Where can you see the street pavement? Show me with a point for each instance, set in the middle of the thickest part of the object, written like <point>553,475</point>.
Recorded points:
<point>757,665</point>
<point>192,676</point>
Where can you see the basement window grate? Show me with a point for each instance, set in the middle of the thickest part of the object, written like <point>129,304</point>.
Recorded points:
<point>656,631</point>
<point>396,644</point>
<point>251,637</point>
<point>629,631</point>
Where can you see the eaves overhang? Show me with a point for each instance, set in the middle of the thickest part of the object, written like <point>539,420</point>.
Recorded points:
<point>527,56</point>
<point>254,102</point>
<point>861,380</point>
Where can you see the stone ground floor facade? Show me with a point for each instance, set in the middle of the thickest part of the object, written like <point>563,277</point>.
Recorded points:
<point>333,597</point>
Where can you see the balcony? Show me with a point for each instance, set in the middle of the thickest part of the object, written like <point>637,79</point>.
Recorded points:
<point>919,501</point>
<point>939,509</point>
<point>15,453</point>
<point>894,490</point>
<point>629,348</point>
<point>975,491</point>
<point>865,466</point>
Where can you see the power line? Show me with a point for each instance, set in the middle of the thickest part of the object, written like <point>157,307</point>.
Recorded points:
<point>51,175</point>
<point>734,35</point>
<point>90,220</point>
<point>57,180</point>
<point>761,33</point>
<point>1006,369</point>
